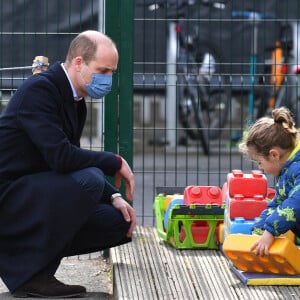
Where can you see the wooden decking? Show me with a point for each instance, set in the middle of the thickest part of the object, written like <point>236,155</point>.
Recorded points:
<point>149,269</point>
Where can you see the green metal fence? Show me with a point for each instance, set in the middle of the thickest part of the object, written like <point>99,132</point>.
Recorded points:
<point>30,28</point>
<point>203,72</point>
<point>192,76</point>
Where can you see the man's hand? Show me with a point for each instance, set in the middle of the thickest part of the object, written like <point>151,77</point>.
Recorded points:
<point>127,211</point>
<point>262,246</point>
<point>125,174</point>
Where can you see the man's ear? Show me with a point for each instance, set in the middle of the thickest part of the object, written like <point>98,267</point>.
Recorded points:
<point>274,154</point>
<point>78,63</point>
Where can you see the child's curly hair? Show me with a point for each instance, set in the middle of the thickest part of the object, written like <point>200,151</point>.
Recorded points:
<point>266,133</point>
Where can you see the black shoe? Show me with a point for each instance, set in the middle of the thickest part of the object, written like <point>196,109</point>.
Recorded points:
<point>48,288</point>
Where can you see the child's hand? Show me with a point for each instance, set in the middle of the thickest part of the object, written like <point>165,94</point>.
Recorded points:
<point>262,246</point>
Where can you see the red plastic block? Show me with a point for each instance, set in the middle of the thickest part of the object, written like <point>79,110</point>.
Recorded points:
<point>194,194</point>
<point>200,230</point>
<point>248,208</point>
<point>270,193</point>
<point>224,192</point>
<point>247,185</point>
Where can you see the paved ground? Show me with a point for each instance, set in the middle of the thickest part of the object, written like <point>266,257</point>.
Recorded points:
<point>92,271</point>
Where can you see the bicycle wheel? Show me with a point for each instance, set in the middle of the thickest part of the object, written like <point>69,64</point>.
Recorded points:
<point>204,99</point>
<point>190,112</point>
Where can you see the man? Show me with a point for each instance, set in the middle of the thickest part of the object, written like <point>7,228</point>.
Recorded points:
<point>54,198</point>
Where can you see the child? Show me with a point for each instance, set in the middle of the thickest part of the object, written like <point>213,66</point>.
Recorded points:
<point>274,144</point>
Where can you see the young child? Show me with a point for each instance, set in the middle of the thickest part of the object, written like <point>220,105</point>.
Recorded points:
<point>273,142</point>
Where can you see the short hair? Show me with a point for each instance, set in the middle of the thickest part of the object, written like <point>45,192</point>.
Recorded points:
<point>82,45</point>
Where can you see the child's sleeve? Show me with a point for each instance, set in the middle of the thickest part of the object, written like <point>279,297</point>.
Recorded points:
<point>286,214</point>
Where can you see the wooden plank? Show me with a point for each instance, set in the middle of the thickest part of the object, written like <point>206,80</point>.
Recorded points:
<point>174,270</point>
<point>149,268</point>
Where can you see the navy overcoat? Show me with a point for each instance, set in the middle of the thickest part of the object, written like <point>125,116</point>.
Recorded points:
<point>41,207</point>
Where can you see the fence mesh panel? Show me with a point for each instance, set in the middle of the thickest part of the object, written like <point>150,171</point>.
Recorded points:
<point>203,72</point>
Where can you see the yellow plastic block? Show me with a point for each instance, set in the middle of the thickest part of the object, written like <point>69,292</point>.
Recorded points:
<point>169,198</point>
<point>220,233</point>
<point>283,258</point>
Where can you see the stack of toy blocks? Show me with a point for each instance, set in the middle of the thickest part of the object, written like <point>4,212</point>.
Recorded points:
<point>245,197</point>
<point>190,220</point>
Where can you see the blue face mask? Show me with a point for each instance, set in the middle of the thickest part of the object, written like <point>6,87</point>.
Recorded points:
<point>99,86</point>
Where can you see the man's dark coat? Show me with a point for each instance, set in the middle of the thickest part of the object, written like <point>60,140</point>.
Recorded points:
<point>41,207</point>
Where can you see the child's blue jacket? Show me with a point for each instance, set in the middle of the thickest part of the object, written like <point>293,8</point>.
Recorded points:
<point>283,212</point>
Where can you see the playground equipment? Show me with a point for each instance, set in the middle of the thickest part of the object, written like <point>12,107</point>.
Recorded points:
<point>184,226</point>
<point>208,217</point>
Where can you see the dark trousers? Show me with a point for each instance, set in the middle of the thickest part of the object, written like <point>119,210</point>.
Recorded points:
<point>104,229</point>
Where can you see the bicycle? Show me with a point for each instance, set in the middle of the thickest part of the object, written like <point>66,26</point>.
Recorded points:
<point>286,91</point>
<point>203,94</point>
<point>284,83</point>
<point>203,97</point>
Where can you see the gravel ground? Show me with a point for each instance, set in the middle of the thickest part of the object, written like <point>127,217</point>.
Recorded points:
<point>91,271</point>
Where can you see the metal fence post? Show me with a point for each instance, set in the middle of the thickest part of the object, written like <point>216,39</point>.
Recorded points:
<point>119,102</point>
<point>118,113</point>
<point>171,86</point>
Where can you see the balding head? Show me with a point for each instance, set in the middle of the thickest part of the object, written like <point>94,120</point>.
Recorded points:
<point>86,44</point>
<point>90,53</point>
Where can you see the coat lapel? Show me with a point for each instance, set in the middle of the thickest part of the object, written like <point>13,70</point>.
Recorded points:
<point>74,119</point>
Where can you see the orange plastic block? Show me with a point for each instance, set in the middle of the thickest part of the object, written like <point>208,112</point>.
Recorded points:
<point>247,185</point>
<point>283,258</point>
<point>220,233</point>
<point>195,194</point>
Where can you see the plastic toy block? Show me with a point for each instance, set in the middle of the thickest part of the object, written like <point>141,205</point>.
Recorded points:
<point>224,192</point>
<point>247,185</point>
<point>158,206</point>
<point>289,235</point>
<point>199,229</point>
<point>184,216</point>
<point>173,202</point>
<point>194,236</point>
<point>248,208</point>
<point>226,225</point>
<point>200,232</point>
<point>283,258</point>
<point>194,194</point>
<point>270,193</point>
<point>220,233</point>
<point>169,198</point>
<point>239,225</point>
